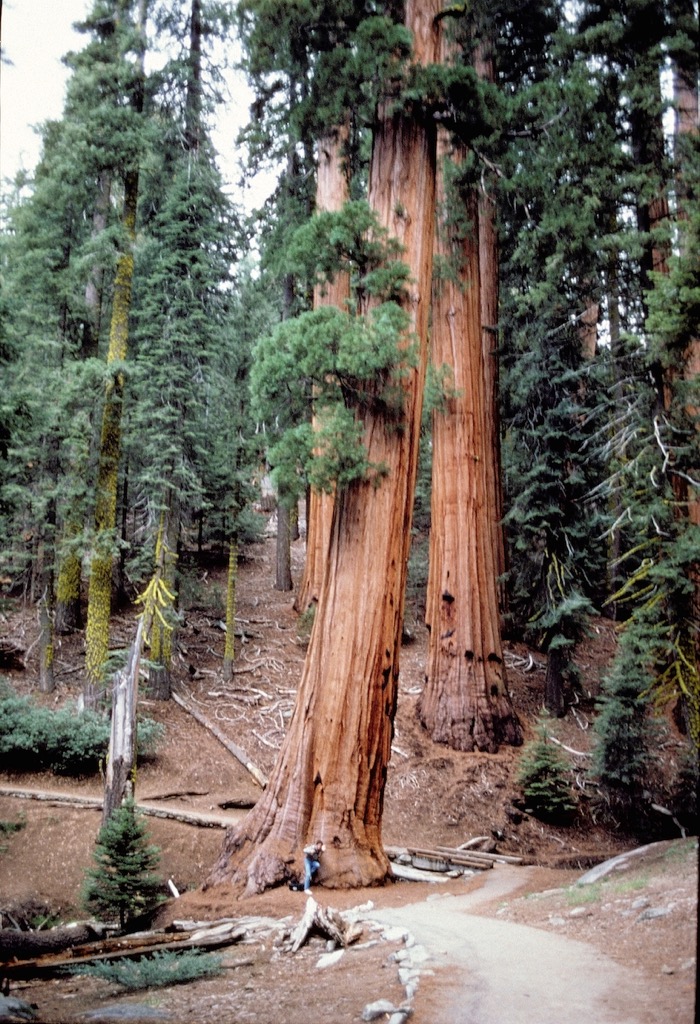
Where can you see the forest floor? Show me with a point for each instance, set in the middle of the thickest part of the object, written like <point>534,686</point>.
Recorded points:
<point>642,923</point>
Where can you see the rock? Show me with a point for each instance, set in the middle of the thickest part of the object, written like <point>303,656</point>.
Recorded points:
<point>400,1016</point>
<point>396,934</point>
<point>408,975</point>
<point>328,959</point>
<point>620,863</point>
<point>653,912</point>
<point>557,921</point>
<point>580,912</point>
<point>372,1011</point>
<point>641,903</point>
<point>667,970</point>
<point>418,955</point>
<point>15,1009</point>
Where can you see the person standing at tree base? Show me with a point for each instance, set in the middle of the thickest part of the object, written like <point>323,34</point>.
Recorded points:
<point>312,862</point>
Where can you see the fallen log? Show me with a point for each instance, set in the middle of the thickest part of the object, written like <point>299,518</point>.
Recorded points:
<point>11,654</point>
<point>15,944</point>
<point>232,748</point>
<point>450,859</point>
<point>495,858</point>
<point>95,803</point>
<point>126,946</point>
<point>411,874</point>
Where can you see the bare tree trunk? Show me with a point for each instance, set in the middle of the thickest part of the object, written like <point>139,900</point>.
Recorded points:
<point>283,559</point>
<point>231,580</point>
<point>328,782</point>
<point>331,195</point>
<point>465,702</point>
<point>121,759</point>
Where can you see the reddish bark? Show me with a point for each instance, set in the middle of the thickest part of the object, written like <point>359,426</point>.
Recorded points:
<point>329,780</point>
<point>465,701</point>
<point>331,195</point>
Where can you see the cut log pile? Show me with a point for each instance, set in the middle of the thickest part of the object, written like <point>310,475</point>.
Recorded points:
<point>444,859</point>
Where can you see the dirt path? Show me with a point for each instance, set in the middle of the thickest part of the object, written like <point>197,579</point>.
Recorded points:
<point>497,972</point>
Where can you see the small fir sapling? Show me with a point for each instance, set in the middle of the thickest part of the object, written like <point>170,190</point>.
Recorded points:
<point>542,773</point>
<point>123,881</point>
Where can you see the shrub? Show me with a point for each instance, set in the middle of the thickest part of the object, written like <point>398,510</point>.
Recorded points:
<point>155,970</point>
<point>66,741</point>
<point>543,775</point>
<point>123,882</point>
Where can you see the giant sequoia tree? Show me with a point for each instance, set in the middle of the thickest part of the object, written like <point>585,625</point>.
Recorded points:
<point>329,778</point>
<point>465,701</point>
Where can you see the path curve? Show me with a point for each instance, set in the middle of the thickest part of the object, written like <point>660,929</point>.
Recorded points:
<point>496,972</point>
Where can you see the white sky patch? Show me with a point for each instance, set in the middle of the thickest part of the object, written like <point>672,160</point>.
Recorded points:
<point>36,34</point>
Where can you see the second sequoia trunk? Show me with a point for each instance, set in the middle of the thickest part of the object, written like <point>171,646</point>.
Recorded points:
<point>465,702</point>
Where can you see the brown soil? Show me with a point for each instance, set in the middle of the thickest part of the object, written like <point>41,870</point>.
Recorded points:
<point>434,796</point>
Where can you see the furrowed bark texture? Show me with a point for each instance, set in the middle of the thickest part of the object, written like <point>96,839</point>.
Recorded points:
<point>331,196</point>
<point>329,779</point>
<point>465,702</point>
<point>489,292</point>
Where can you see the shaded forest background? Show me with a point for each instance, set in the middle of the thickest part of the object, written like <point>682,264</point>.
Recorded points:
<point>170,363</point>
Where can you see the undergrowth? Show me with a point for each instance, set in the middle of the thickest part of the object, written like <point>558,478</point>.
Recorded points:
<point>154,971</point>
<point>66,741</point>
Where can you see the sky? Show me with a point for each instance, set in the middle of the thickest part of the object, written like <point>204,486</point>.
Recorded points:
<point>35,35</point>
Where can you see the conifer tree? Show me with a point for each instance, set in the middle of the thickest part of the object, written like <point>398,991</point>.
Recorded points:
<point>132,37</point>
<point>124,881</point>
<point>556,209</point>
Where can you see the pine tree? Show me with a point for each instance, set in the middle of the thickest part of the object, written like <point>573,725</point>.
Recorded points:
<point>123,881</point>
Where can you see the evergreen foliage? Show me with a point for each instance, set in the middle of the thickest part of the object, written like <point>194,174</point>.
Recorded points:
<point>65,741</point>
<point>123,882</point>
<point>543,774</point>
<point>331,362</point>
<point>155,971</point>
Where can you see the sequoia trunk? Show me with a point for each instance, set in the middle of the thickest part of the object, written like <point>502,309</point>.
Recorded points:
<point>331,195</point>
<point>329,779</point>
<point>465,702</point>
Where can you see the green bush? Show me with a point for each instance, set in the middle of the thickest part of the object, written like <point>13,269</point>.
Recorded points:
<point>123,882</point>
<point>66,741</point>
<point>543,775</point>
<point>155,970</point>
